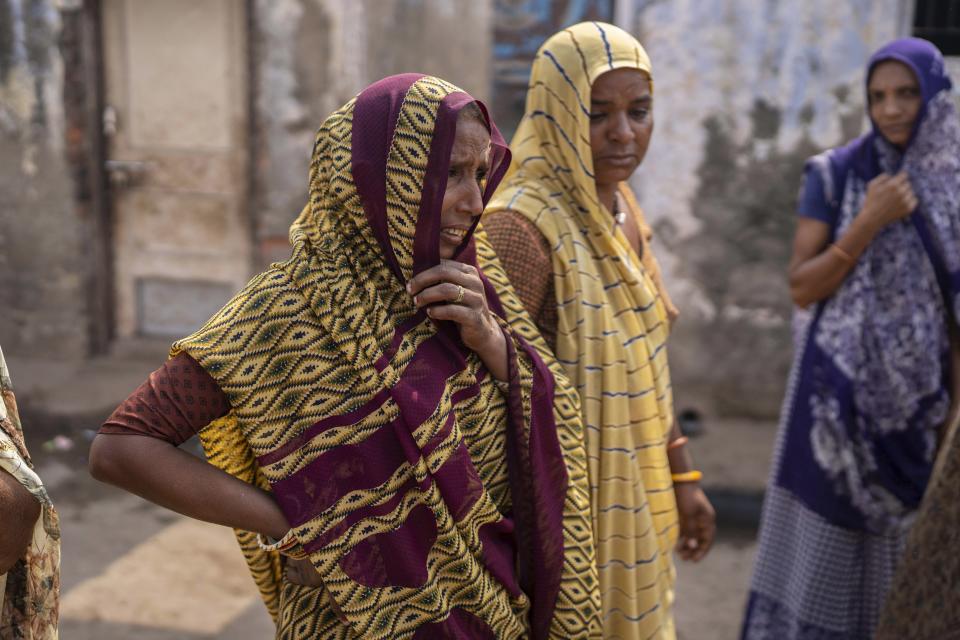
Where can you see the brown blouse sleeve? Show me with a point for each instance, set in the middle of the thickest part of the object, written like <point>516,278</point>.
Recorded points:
<point>175,402</point>
<point>526,256</point>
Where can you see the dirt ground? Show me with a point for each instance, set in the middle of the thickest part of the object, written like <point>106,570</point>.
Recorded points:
<point>711,594</point>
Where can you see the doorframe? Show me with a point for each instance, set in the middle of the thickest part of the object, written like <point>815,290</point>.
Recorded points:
<point>83,88</point>
<point>252,192</point>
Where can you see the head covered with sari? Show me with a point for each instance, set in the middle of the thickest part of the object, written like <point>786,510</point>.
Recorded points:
<point>612,324</point>
<point>431,503</point>
<point>870,384</point>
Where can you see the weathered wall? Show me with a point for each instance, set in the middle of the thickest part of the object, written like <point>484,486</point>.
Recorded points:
<point>745,91</point>
<point>311,56</point>
<point>308,57</point>
<point>42,271</point>
<point>447,38</point>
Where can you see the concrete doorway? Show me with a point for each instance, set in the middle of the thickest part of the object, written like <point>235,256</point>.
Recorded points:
<point>176,130</point>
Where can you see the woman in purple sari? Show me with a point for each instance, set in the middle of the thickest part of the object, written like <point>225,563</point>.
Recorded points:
<point>873,387</point>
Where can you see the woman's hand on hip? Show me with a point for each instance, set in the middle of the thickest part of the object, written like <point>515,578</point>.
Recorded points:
<point>454,291</point>
<point>302,572</point>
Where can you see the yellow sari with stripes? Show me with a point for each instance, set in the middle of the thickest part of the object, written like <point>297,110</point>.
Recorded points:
<point>612,327</point>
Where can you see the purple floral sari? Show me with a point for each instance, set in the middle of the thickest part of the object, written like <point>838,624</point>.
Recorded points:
<point>869,387</point>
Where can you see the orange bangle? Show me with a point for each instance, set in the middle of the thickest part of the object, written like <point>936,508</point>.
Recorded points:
<point>679,442</point>
<point>843,255</point>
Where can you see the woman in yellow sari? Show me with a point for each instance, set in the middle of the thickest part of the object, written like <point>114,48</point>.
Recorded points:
<point>565,227</point>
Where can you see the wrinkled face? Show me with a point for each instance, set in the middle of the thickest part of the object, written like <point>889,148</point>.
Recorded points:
<point>621,122</point>
<point>463,198</point>
<point>895,100</point>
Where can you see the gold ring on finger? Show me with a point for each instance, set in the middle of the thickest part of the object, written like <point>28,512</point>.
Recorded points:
<point>460,292</point>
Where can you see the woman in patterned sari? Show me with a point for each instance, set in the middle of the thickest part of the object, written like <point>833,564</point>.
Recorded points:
<point>874,383</point>
<point>567,230</point>
<point>29,534</point>
<point>401,436</point>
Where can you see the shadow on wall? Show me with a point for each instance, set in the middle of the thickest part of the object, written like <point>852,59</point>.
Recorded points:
<point>736,361</point>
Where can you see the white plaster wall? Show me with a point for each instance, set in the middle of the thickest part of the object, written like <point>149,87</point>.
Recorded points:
<point>714,60</point>
<point>301,77</point>
<point>953,69</point>
<point>31,97</point>
<point>716,57</point>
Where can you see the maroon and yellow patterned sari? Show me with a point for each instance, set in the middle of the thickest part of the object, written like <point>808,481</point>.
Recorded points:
<point>432,503</point>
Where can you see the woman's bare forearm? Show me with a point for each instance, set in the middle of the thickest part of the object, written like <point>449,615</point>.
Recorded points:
<point>819,277</point>
<point>494,355</point>
<point>680,459</point>
<point>816,270</point>
<point>163,474</point>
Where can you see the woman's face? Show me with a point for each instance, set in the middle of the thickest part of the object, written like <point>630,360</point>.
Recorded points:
<point>895,100</point>
<point>463,199</point>
<point>621,122</point>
